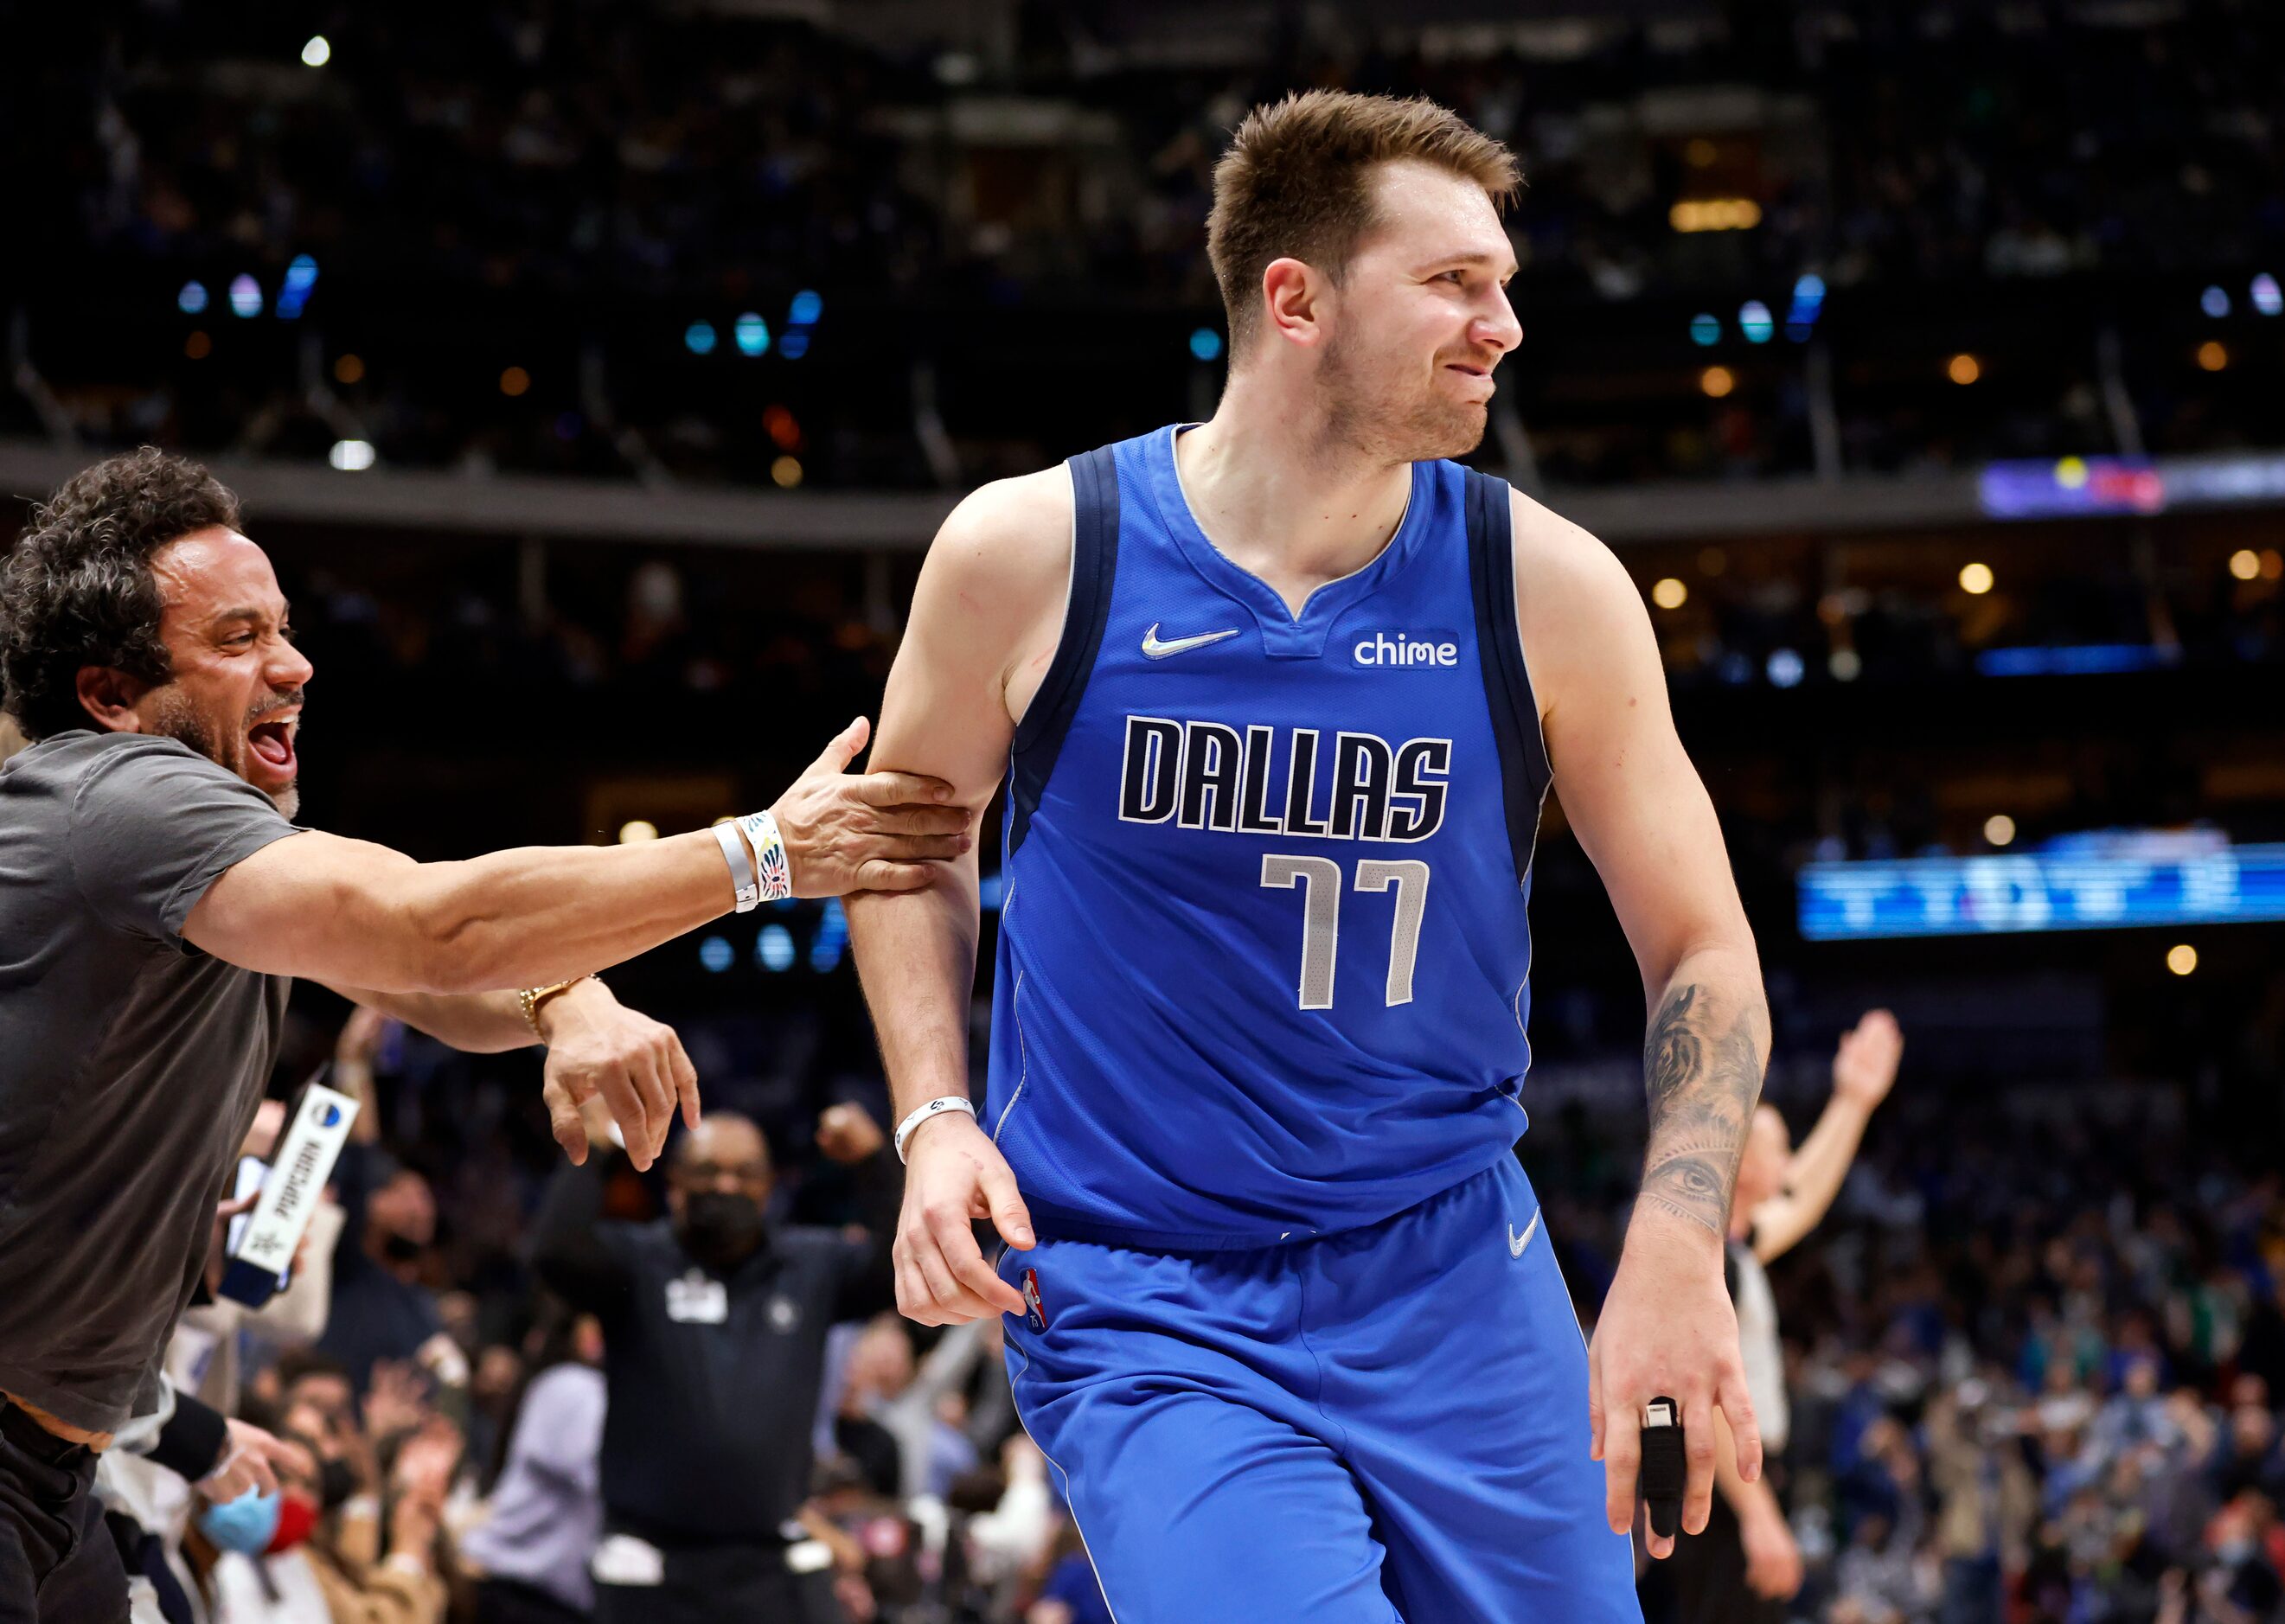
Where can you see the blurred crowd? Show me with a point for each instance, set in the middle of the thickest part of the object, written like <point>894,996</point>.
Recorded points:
<point>2036,1358</point>
<point>448,1413</point>
<point>580,182</point>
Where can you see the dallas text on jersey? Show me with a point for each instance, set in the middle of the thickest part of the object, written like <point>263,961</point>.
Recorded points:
<point>1209,775</point>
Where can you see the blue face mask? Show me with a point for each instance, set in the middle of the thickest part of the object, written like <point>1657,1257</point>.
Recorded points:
<point>247,1524</point>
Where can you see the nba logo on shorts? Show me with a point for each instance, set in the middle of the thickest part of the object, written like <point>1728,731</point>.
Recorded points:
<point>1035,1312</point>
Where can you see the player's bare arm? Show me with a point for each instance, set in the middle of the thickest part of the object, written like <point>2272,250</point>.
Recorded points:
<point>986,617</point>
<point>1644,819</point>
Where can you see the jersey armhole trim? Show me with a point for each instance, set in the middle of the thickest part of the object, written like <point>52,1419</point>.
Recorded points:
<point>1524,773</point>
<point>1094,558</point>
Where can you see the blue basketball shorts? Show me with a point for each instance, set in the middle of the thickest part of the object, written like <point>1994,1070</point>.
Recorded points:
<point>1387,1426</point>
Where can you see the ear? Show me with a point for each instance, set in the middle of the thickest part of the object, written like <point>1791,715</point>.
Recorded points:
<point>110,696</point>
<point>1293,301</point>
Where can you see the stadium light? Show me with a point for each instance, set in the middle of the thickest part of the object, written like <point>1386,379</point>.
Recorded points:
<point>301,276</point>
<point>352,455</point>
<point>318,51</point>
<point>2245,564</point>
<point>1963,369</point>
<point>2181,958</point>
<point>514,381</point>
<point>785,473</point>
<point>2215,303</point>
<point>1705,328</point>
<point>245,296</point>
<point>1846,665</point>
<point>1669,594</point>
<point>773,948</point>
<point>1975,579</point>
<point>807,306</point>
<point>1755,322</point>
<point>1999,829</point>
<point>637,831</point>
<point>2212,356</point>
<point>1716,381</point>
<point>1205,344</point>
<point>1714,215</point>
<point>1786,669</point>
<point>192,300</point>
<point>698,338</point>
<point>198,346</point>
<point>752,334</point>
<point>2267,298</point>
<point>795,344</point>
<point>350,369</point>
<point>715,954</point>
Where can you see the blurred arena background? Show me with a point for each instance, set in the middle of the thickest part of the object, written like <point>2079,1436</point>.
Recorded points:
<point>596,373</point>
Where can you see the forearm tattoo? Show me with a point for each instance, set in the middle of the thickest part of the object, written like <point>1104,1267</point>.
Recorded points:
<point>1703,1076</point>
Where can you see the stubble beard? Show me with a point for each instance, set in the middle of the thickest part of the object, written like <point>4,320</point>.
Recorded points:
<point>175,719</point>
<point>1367,415</point>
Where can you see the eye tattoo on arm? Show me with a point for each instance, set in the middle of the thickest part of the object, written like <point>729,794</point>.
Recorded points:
<point>1702,1085</point>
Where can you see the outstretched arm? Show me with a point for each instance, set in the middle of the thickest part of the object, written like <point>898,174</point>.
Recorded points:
<point>355,914</point>
<point>1863,1069</point>
<point>1643,817</point>
<point>986,614</point>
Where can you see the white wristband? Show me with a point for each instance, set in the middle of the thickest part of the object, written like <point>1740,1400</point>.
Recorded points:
<point>773,871</point>
<point>742,872</point>
<point>934,1108</point>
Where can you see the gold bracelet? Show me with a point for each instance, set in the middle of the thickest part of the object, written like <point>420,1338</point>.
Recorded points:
<point>532,998</point>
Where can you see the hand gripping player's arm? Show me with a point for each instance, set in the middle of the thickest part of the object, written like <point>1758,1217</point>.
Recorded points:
<point>986,615</point>
<point>1636,803</point>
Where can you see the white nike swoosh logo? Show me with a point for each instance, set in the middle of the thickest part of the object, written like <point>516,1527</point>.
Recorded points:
<point>1516,1243</point>
<point>1153,649</point>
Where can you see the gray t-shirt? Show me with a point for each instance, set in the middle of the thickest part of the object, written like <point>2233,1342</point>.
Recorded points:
<point>130,1063</point>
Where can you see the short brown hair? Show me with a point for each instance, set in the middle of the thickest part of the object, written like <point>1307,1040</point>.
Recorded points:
<point>1295,184</point>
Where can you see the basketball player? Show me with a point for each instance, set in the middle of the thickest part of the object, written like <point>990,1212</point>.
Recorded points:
<point>1279,696</point>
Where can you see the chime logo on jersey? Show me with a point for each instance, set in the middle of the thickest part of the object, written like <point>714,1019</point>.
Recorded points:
<point>1035,1309</point>
<point>1399,650</point>
<point>1268,780</point>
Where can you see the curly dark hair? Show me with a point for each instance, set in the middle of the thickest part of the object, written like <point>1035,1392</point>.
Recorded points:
<point>77,589</point>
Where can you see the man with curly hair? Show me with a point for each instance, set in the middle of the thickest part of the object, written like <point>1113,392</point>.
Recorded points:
<point>155,901</point>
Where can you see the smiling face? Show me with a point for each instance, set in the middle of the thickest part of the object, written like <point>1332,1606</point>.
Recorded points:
<point>1419,318</point>
<point>235,692</point>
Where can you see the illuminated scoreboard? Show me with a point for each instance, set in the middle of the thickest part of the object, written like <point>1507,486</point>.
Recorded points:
<point>2091,886</point>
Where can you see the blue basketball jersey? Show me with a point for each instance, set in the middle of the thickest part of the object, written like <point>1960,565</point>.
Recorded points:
<point>1263,962</point>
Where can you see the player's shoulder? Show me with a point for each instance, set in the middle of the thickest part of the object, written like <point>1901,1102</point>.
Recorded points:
<point>1555,554</point>
<point>1001,562</point>
<point>1577,608</point>
<point>1011,525</point>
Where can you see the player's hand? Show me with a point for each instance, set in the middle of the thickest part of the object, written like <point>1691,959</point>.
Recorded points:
<point>1864,1066</point>
<point>848,1134</point>
<point>953,1176</point>
<point>1667,1328</point>
<point>848,831</point>
<point>1772,1556</point>
<point>250,1460</point>
<point>599,1047</point>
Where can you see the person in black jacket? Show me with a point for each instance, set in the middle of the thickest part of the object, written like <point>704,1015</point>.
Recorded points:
<point>714,1329</point>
